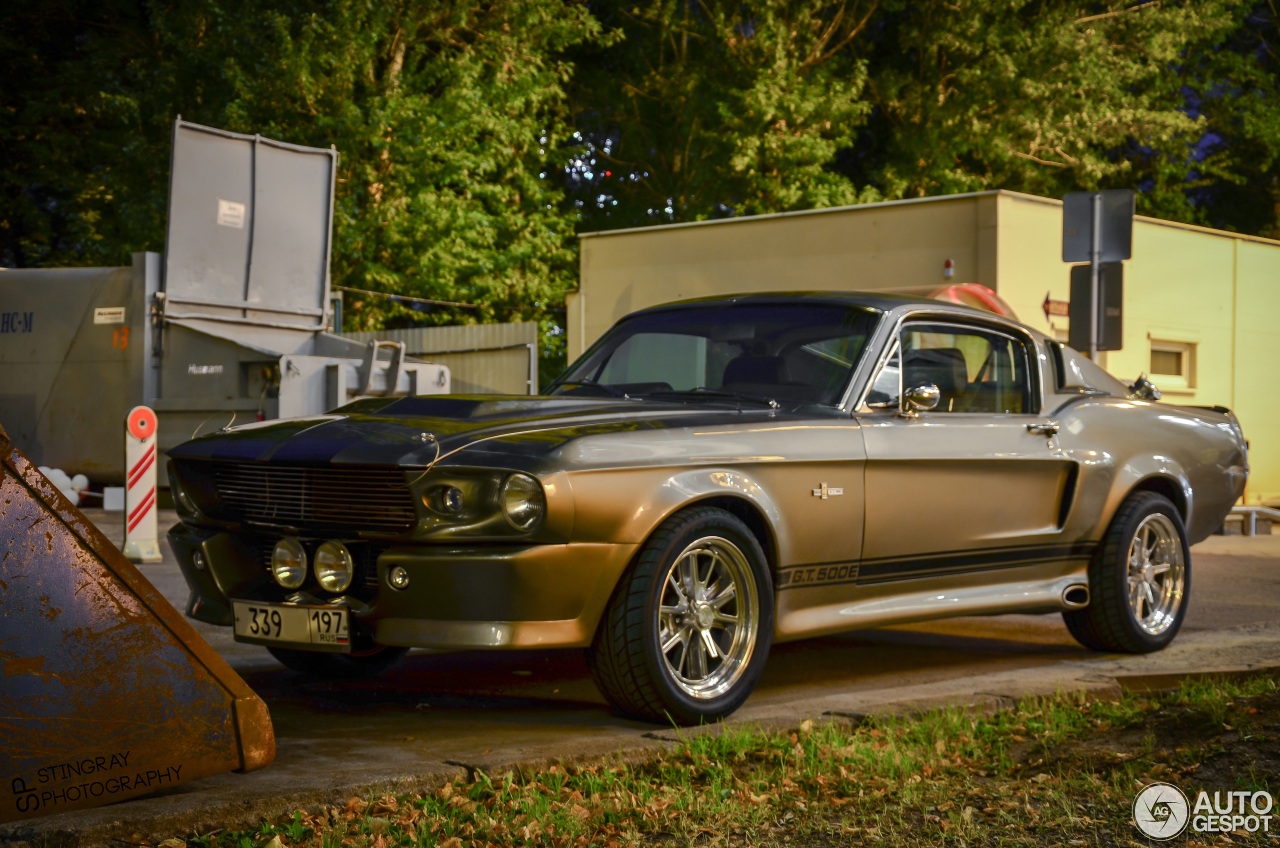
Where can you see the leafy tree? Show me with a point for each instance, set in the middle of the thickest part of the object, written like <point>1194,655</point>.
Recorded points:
<point>705,108</point>
<point>701,109</point>
<point>1041,97</point>
<point>443,113</point>
<point>68,124</point>
<point>453,120</point>
<point>1236,86</point>
<point>447,114</point>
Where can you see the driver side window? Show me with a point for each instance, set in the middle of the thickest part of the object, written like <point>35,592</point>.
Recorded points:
<point>975,370</point>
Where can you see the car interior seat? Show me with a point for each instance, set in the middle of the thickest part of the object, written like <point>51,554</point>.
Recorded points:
<point>944,367</point>
<point>756,369</point>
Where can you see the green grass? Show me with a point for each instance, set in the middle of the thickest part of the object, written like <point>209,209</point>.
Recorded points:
<point>1051,771</point>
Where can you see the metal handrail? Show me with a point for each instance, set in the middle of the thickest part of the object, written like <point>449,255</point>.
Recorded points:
<point>1249,517</point>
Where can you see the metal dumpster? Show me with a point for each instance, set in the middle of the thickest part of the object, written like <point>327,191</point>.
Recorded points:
<point>229,325</point>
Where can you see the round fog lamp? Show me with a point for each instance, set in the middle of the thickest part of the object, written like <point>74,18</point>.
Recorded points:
<point>289,563</point>
<point>522,501</point>
<point>334,566</point>
<point>398,577</point>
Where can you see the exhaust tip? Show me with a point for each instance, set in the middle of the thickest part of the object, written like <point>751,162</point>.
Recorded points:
<point>1076,596</point>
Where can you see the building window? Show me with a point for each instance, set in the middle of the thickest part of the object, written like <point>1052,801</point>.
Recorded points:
<point>1173,365</point>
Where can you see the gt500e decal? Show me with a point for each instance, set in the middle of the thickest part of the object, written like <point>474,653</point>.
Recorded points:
<point>933,565</point>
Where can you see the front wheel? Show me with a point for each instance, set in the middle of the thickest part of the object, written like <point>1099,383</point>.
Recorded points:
<point>1139,580</point>
<point>354,666</point>
<point>685,636</point>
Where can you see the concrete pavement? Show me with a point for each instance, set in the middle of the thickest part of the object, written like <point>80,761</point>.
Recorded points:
<point>420,726</point>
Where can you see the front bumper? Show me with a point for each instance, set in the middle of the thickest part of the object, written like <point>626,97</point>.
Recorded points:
<point>480,596</point>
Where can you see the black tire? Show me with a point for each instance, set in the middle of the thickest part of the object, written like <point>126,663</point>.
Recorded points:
<point>354,666</point>
<point>1139,580</point>
<point>708,674</point>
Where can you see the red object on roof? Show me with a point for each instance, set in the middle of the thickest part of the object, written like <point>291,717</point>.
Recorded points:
<point>976,295</point>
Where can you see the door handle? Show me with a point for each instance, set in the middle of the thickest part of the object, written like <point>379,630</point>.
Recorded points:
<point>1044,428</point>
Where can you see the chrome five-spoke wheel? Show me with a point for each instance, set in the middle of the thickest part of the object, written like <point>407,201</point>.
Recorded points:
<point>687,631</point>
<point>708,617</point>
<point>1139,579</point>
<point>1157,573</point>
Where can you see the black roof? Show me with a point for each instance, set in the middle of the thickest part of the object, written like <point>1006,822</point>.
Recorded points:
<point>878,301</point>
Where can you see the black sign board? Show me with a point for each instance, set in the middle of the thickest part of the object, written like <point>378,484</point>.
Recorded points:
<point>1115,227</point>
<point>1110,307</point>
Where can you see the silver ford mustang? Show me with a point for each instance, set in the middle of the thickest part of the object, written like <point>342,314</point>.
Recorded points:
<point>710,477</point>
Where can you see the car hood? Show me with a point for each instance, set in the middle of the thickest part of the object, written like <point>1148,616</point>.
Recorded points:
<point>453,429</point>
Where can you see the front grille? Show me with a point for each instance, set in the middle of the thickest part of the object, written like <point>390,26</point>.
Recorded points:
<point>325,499</point>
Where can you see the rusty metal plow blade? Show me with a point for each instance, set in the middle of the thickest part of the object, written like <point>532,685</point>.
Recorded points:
<point>106,691</point>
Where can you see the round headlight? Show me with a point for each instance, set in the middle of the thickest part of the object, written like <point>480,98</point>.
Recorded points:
<point>289,563</point>
<point>334,566</point>
<point>445,499</point>
<point>522,501</point>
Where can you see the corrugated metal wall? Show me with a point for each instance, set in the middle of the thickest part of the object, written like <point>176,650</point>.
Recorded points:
<point>482,358</point>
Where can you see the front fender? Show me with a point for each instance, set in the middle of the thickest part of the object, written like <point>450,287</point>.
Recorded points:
<point>810,513</point>
<point>627,505</point>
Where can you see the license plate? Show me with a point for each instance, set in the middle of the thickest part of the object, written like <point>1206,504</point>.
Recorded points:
<point>290,625</point>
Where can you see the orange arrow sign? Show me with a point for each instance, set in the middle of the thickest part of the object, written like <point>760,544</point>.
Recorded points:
<point>1055,307</point>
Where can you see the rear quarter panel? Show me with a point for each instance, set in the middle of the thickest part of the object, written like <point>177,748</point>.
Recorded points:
<point>1122,445</point>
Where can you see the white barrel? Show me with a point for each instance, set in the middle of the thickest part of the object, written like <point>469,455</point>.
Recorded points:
<point>141,525</point>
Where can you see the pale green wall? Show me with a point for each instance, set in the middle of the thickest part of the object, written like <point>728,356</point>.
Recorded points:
<point>1256,356</point>
<point>1029,251</point>
<point>1215,290</point>
<point>879,246</point>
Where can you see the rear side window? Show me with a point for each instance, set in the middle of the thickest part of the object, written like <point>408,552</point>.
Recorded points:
<point>1059,368</point>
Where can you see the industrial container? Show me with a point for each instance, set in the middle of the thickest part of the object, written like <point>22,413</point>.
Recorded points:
<point>228,326</point>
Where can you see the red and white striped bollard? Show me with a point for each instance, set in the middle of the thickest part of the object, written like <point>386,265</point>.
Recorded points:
<point>141,529</point>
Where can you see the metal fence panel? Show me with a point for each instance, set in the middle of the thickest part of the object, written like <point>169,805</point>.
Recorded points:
<point>482,358</point>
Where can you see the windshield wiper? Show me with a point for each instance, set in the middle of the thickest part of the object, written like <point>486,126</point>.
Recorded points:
<point>702,391</point>
<point>592,384</point>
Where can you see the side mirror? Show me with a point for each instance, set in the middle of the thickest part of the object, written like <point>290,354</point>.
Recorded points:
<point>919,399</point>
<point>1144,389</point>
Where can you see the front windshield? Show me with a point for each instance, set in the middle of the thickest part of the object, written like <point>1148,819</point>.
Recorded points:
<point>788,353</point>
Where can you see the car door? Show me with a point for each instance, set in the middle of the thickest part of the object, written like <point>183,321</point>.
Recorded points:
<point>976,482</point>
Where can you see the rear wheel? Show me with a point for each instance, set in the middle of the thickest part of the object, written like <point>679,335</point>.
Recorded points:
<point>685,636</point>
<point>1138,580</point>
<point>354,666</point>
